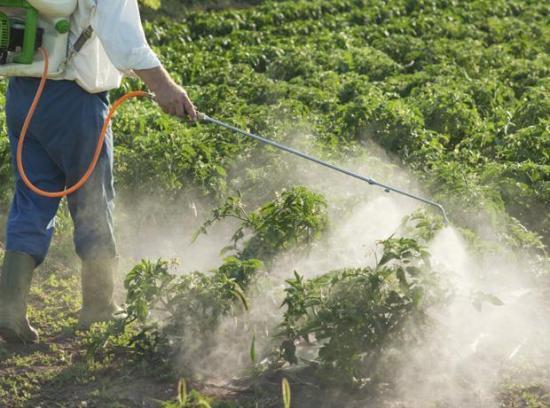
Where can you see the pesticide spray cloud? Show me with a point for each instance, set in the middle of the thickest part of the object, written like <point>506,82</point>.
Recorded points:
<point>495,326</point>
<point>465,353</point>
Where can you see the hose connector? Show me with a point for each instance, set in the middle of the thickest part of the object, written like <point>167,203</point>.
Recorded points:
<point>202,117</point>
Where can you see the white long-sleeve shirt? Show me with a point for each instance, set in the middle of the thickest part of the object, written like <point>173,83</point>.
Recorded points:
<point>117,23</point>
<point>117,46</point>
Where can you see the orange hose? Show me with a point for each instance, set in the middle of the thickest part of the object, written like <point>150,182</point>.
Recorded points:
<point>102,135</point>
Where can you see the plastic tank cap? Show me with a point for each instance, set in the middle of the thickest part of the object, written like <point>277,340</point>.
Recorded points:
<point>62,26</point>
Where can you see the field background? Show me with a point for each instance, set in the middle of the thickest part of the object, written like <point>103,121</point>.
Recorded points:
<point>446,98</point>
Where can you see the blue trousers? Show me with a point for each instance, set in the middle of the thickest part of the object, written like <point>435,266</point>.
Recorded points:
<point>58,149</point>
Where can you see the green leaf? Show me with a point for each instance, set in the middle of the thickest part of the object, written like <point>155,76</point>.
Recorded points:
<point>492,299</point>
<point>237,292</point>
<point>286,393</point>
<point>253,350</point>
<point>182,391</point>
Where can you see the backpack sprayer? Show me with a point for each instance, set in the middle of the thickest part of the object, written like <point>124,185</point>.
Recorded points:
<point>34,42</point>
<point>32,29</point>
<point>27,25</point>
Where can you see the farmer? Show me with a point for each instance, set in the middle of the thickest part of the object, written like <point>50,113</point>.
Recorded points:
<point>61,141</point>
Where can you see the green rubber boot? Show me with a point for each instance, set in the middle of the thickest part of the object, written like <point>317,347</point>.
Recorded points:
<point>15,284</point>
<point>97,293</point>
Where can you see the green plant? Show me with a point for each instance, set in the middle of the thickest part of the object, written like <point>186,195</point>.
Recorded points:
<point>292,220</point>
<point>355,315</point>
<point>161,306</point>
<point>185,399</point>
<point>286,393</point>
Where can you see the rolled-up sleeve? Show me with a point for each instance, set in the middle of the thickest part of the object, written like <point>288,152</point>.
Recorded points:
<point>117,24</point>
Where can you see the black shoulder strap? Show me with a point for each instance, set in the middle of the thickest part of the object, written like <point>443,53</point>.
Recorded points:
<point>83,38</point>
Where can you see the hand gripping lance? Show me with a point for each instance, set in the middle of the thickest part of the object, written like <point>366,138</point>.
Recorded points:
<point>207,119</point>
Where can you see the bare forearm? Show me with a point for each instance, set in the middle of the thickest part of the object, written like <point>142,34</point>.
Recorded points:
<point>154,78</point>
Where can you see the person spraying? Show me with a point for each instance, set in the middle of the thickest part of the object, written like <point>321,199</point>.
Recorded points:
<point>104,41</point>
<point>85,48</point>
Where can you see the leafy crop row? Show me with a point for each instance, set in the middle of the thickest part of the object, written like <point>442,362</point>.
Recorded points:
<point>458,91</point>
<point>354,316</point>
<point>164,305</point>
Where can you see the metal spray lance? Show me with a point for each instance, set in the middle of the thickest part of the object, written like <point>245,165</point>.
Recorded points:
<point>207,119</point>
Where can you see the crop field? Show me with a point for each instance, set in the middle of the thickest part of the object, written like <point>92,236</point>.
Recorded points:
<point>252,278</point>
